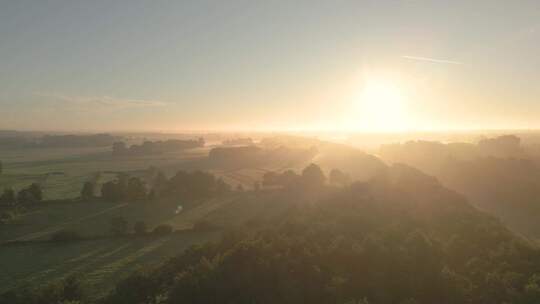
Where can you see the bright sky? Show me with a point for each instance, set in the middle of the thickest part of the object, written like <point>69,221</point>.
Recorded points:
<point>183,65</point>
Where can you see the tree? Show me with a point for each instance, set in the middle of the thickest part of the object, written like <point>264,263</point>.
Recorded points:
<point>73,290</point>
<point>8,197</point>
<point>136,189</point>
<point>109,192</point>
<point>118,226</point>
<point>139,287</point>
<point>35,190</point>
<point>289,178</point>
<point>25,197</point>
<point>313,176</point>
<point>159,183</point>
<point>140,228</point>
<point>115,191</point>
<point>87,192</point>
<point>337,177</point>
<point>119,148</point>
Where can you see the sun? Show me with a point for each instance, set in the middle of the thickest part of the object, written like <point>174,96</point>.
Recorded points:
<point>381,107</point>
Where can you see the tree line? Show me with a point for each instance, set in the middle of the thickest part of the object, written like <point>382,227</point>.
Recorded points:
<point>311,176</point>
<point>155,147</point>
<point>187,185</point>
<point>400,238</point>
<point>28,195</point>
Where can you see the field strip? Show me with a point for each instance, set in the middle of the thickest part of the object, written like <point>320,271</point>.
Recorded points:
<point>187,219</point>
<point>235,175</point>
<point>84,256</point>
<point>244,176</point>
<point>239,178</point>
<point>97,276</point>
<point>59,268</point>
<point>115,251</point>
<point>36,235</point>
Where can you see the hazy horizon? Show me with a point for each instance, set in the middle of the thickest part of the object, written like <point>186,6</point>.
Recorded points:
<point>372,66</point>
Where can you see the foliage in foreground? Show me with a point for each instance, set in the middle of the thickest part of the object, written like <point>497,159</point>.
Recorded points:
<point>401,238</point>
<point>67,291</point>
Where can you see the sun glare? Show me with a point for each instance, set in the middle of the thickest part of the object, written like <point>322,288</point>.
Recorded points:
<point>381,107</point>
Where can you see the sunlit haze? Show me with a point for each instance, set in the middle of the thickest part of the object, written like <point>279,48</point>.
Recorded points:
<point>269,65</point>
<point>270,151</point>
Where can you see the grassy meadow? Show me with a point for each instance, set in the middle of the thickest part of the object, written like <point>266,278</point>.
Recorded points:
<point>27,258</point>
<point>62,171</point>
<point>99,263</point>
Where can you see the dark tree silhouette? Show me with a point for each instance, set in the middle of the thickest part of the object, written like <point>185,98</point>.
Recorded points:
<point>29,195</point>
<point>119,148</point>
<point>36,191</point>
<point>337,177</point>
<point>115,191</point>
<point>8,197</point>
<point>87,192</point>
<point>313,176</point>
<point>159,184</point>
<point>136,189</point>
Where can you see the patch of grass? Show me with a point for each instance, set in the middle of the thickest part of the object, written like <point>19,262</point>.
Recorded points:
<point>99,263</point>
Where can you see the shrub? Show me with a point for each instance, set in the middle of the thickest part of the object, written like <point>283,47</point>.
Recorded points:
<point>7,216</point>
<point>163,229</point>
<point>67,291</point>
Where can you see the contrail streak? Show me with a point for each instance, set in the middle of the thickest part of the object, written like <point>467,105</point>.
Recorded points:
<point>431,60</point>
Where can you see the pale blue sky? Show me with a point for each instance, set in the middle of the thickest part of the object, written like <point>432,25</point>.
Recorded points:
<point>175,65</point>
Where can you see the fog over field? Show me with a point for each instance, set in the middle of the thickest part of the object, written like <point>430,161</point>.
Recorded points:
<point>262,152</point>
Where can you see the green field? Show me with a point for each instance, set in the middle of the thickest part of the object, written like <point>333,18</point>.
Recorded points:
<point>27,258</point>
<point>62,172</point>
<point>100,263</point>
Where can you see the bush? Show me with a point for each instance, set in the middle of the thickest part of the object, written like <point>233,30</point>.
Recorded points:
<point>65,236</point>
<point>163,229</point>
<point>7,216</point>
<point>67,291</point>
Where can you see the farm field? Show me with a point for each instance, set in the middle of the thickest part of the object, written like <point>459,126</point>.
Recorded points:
<point>93,218</point>
<point>99,259</point>
<point>62,172</point>
<point>99,263</point>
